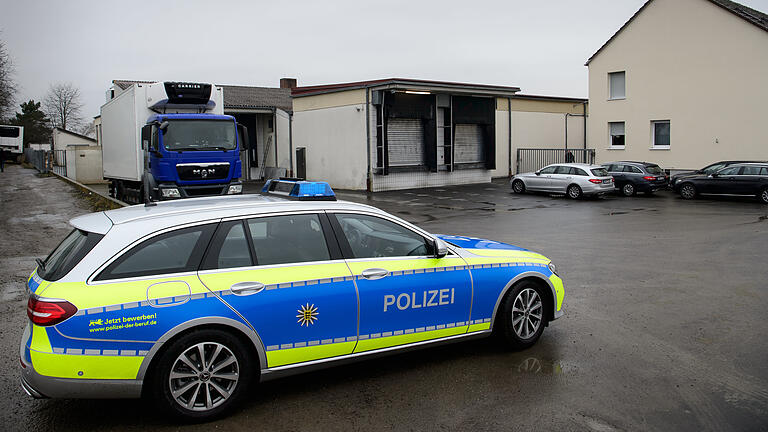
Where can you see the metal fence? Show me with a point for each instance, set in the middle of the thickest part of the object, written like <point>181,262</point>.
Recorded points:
<point>46,161</point>
<point>532,159</point>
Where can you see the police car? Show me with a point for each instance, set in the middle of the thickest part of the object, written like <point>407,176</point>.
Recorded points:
<point>190,301</point>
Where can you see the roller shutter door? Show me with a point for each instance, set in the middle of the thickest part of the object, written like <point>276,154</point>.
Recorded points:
<point>468,144</point>
<point>405,140</point>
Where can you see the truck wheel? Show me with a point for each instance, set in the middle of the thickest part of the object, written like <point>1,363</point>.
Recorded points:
<point>523,315</point>
<point>202,375</point>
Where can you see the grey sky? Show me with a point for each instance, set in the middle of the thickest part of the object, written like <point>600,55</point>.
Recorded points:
<point>540,46</point>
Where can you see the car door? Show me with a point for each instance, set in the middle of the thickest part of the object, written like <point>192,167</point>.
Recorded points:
<point>285,275</point>
<point>560,179</point>
<point>724,181</point>
<point>407,294</point>
<point>748,181</point>
<point>542,181</point>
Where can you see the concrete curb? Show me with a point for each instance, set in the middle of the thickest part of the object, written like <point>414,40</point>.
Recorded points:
<point>108,201</point>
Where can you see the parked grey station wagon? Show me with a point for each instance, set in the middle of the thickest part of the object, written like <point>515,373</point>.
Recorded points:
<point>573,179</point>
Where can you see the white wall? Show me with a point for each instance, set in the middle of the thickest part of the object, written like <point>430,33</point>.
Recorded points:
<point>63,139</point>
<point>695,64</point>
<point>502,145</point>
<point>335,141</point>
<point>84,164</point>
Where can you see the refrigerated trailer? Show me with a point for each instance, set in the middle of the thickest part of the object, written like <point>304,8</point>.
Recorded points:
<point>12,141</point>
<point>169,140</point>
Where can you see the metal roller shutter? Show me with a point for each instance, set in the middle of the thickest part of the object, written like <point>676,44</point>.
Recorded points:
<point>405,140</point>
<point>468,144</point>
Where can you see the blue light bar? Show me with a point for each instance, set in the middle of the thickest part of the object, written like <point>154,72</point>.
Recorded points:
<point>300,189</point>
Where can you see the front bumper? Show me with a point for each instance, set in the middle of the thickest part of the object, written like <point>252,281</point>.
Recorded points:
<point>194,191</point>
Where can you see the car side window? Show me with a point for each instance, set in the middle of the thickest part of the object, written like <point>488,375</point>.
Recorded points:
<point>579,171</point>
<point>634,169</point>
<point>730,171</point>
<point>549,170</point>
<point>617,168</point>
<point>229,248</point>
<point>751,170</point>
<point>563,170</point>
<point>763,170</point>
<point>288,239</point>
<point>171,252</point>
<point>372,237</point>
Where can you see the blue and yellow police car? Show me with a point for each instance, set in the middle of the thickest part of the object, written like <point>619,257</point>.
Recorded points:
<point>190,301</point>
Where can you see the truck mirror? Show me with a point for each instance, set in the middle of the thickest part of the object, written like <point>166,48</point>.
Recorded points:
<point>163,126</point>
<point>146,137</point>
<point>242,132</point>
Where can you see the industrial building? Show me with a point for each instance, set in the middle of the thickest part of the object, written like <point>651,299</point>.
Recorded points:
<point>403,133</point>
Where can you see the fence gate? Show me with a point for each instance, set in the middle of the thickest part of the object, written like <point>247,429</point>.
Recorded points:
<point>59,162</point>
<point>533,159</point>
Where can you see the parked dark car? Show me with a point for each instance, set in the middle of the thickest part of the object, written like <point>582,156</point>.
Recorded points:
<point>632,177</point>
<point>709,169</point>
<point>749,179</point>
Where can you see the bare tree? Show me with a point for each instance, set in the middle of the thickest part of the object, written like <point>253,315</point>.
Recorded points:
<point>7,84</point>
<point>63,106</point>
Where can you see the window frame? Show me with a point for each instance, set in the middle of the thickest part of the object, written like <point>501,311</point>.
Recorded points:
<point>610,85</point>
<point>96,276</point>
<point>346,249</point>
<point>611,146</point>
<point>655,146</point>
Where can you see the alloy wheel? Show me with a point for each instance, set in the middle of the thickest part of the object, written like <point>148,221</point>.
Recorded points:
<point>687,191</point>
<point>628,189</point>
<point>527,313</point>
<point>204,376</point>
<point>764,196</point>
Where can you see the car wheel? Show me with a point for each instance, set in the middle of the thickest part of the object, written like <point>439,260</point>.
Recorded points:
<point>523,315</point>
<point>764,196</point>
<point>574,192</point>
<point>202,375</point>
<point>628,189</point>
<point>688,191</point>
<point>518,186</point>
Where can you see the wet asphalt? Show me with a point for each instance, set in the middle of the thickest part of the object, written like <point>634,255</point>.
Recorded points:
<point>664,326</point>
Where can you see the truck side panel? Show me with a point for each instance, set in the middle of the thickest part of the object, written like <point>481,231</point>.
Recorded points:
<point>121,152</point>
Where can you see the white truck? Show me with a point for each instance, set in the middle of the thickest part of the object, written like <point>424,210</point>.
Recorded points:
<point>12,141</point>
<point>168,140</point>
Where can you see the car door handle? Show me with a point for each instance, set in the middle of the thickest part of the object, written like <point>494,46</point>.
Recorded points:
<point>247,288</point>
<point>375,273</point>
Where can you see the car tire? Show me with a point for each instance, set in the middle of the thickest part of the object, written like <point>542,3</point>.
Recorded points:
<point>763,197</point>
<point>628,189</point>
<point>518,186</point>
<point>574,192</point>
<point>688,191</point>
<point>202,390</point>
<point>524,313</point>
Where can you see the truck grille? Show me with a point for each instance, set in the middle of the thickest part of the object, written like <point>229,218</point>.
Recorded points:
<point>203,171</point>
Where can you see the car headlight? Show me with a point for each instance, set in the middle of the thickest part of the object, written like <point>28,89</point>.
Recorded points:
<point>553,268</point>
<point>235,189</point>
<point>170,193</point>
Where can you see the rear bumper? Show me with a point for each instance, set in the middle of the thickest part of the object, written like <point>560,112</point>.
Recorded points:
<point>600,189</point>
<point>40,386</point>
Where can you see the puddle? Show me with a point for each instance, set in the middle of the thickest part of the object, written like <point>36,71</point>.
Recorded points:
<point>536,366</point>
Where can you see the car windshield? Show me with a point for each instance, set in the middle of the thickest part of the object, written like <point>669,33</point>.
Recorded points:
<point>653,169</point>
<point>712,168</point>
<point>599,172</point>
<point>67,254</point>
<point>199,135</point>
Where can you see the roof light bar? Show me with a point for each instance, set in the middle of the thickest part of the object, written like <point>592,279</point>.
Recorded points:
<point>300,190</point>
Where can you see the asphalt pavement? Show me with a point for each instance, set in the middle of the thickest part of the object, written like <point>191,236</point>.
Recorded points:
<point>664,326</point>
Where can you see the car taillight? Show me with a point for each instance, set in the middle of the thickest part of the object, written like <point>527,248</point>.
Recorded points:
<point>649,178</point>
<point>48,312</point>
<point>595,181</point>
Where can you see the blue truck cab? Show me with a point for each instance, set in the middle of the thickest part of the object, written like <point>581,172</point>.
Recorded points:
<point>193,155</point>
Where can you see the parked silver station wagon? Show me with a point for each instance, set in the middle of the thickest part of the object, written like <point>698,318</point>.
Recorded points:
<point>573,179</point>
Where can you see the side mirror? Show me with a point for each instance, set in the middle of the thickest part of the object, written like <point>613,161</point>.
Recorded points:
<point>714,175</point>
<point>242,133</point>
<point>441,248</point>
<point>146,137</point>
<point>538,173</point>
<point>163,126</point>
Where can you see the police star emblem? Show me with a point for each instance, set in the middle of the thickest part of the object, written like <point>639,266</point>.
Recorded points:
<point>307,315</point>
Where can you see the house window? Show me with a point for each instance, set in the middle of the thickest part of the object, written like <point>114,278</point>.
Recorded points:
<point>617,85</point>
<point>616,132</point>
<point>660,133</point>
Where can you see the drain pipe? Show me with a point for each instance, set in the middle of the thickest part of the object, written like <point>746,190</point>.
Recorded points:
<point>369,174</point>
<point>584,106</point>
<point>509,111</point>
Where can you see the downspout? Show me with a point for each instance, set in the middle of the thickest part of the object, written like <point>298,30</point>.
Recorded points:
<point>509,131</point>
<point>566,131</point>
<point>584,105</point>
<point>369,174</point>
<point>290,144</point>
<point>274,130</point>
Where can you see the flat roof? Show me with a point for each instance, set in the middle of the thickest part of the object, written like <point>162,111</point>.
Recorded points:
<point>407,84</point>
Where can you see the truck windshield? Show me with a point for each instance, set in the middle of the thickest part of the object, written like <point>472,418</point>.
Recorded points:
<point>182,135</point>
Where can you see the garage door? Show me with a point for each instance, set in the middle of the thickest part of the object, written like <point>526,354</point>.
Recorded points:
<point>468,144</point>
<point>405,140</point>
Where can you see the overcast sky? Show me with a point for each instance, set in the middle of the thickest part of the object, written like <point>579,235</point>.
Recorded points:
<point>539,46</point>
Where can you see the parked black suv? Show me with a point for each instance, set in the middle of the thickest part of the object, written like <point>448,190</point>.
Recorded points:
<point>631,177</point>
<point>738,179</point>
